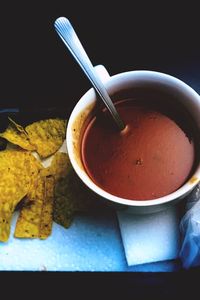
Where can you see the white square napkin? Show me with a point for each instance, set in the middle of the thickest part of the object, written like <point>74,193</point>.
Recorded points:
<point>150,237</point>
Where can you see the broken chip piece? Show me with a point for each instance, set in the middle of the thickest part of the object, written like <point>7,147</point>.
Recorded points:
<point>71,196</point>
<point>11,192</point>
<point>60,166</point>
<point>47,209</point>
<point>63,208</point>
<point>36,217</point>
<point>47,136</point>
<point>28,222</point>
<point>17,168</point>
<point>17,135</point>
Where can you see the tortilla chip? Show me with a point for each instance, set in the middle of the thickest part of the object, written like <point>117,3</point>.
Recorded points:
<point>63,207</point>
<point>60,166</point>
<point>72,196</point>
<point>47,136</point>
<point>12,191</point>
<point>36,217</point>
<point>17,135</point>
<point>47,209</point>
<point>18,170</point>
<point>28,222</point>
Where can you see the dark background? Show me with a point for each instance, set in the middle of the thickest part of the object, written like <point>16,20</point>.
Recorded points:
<point>37,71</point>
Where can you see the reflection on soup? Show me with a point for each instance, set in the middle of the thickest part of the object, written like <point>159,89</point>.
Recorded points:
<point>151,158</point>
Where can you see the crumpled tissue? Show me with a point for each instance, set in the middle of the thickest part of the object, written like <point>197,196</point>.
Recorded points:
<point>190,230</point>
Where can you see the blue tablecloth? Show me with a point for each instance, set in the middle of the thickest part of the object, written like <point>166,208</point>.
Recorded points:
<point>92,243</point>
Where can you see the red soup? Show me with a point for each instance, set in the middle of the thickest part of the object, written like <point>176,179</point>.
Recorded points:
<point>151,158</point>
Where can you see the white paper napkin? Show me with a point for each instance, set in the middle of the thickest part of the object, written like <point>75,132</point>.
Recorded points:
<point>151,237</point>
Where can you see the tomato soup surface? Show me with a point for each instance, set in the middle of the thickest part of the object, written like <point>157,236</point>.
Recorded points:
<point>151,158</point>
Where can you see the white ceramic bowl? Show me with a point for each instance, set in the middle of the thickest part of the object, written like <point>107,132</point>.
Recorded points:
<point>86,106</point>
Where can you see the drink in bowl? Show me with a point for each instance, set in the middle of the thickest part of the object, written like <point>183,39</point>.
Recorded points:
<point>154,162</point>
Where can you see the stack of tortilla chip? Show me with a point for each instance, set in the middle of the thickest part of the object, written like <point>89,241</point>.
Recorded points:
<point>47,194</point>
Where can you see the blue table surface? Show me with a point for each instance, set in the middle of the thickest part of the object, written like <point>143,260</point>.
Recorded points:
<point>92,243</point>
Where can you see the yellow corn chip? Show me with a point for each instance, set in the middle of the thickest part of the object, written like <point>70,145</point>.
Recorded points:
<point>47,135</point>
<point>17,135</point>
<point>72,196</point>
<point>47,209</point>
<point>28,222</point>
<point>36,217</point>
<point>60,166</point>
<point>20,163</point>
<point>18,170</point>
<point>11,192</point>
<point>63,207</point>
